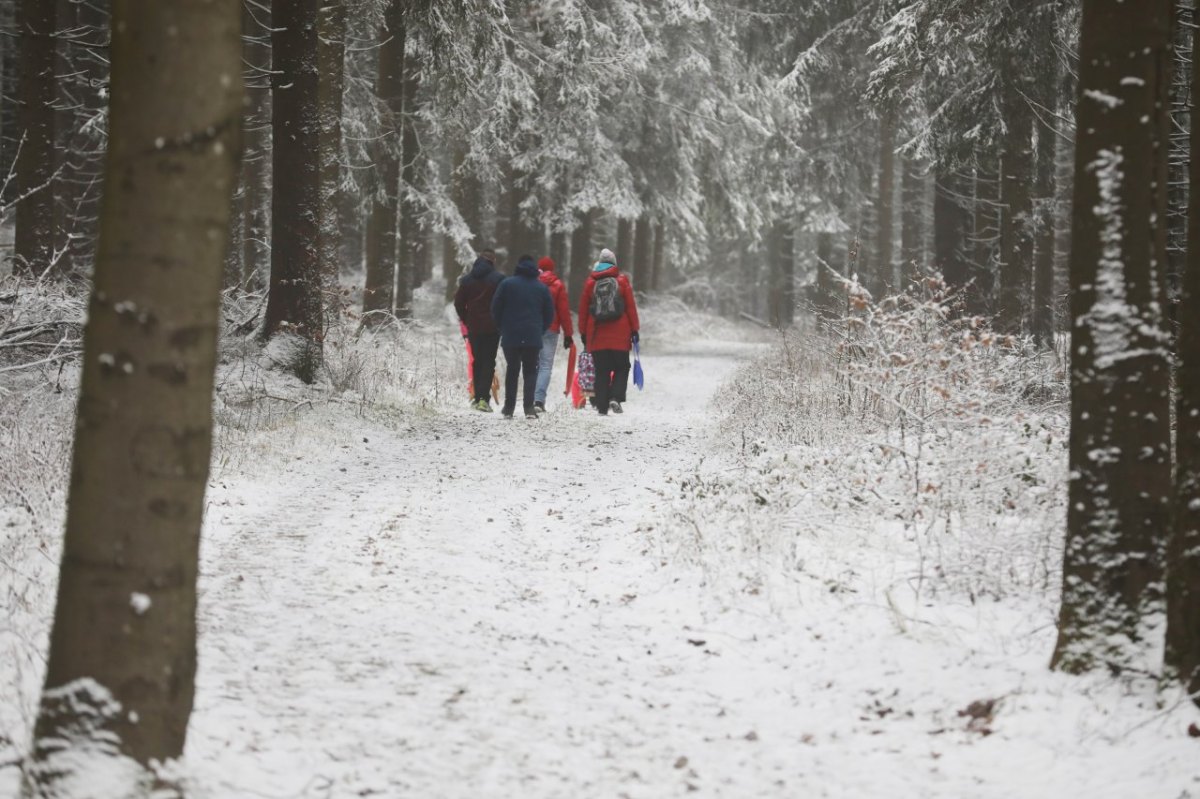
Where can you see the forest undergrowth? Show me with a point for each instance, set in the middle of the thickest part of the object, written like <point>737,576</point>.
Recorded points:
<point>904,451</point>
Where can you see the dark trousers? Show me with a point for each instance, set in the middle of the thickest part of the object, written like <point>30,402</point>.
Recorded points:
<point>520,359</point>
<point>612,377</point>
<point>483,348</point>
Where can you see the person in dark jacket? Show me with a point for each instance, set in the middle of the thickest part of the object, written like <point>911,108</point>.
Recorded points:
<point>562,322</point>
<point>473,303</point>
<point>523,311</point>
<point>609,339</point>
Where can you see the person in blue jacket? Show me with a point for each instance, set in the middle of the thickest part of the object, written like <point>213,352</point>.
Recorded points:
<point>523,311</point>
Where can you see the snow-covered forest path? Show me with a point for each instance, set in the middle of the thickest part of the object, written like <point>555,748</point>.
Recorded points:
<point>463,606</point>
<point>438,603</point>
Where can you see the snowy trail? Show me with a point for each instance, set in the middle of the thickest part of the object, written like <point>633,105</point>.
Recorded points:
<point>445,604</point>
<point>465,605</point>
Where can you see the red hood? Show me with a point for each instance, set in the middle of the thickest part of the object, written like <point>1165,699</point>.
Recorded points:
<point>548,277</point>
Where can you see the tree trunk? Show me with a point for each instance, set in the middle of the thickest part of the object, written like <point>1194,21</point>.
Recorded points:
<point>643,244</point>
<point>1120,450</point>
<point>781,306</point>
<point>123,647</point>
<point>256,160</point>
<point>10,128</point>
<point>1045,249</point>
<point>558,249</point>
<point>951,221</point>
<point>34,243</point>
<point>657,279</point>
<point>885,278</point>
<point>1183,565</point>
<point>82,72</point>
<point>295,303</point>
<point>581,256</point>
<point>912,218</point>
<point>985,236</point>
<point>331,60</point>
<point>625,247</point>
<point>1016,202</point>
<point>411,248</point>
<point>826,303</point>
<point>383,221</point>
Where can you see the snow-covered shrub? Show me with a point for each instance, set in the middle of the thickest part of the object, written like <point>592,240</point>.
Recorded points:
<point>903,427</point>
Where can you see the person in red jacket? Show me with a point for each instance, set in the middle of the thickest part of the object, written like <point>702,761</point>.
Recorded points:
<point>562,322</point>
<point>608,326</point>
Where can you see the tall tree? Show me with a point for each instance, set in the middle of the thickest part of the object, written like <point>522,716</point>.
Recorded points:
<point>1183,565</point>
<point>256,158</point>
<point>411,247</point>
<point>123,648</point>
<point>331,58</point>
<point>381,247</point>
<point>295,303</point>
<point>34,244</point>
<point>1120,457</point>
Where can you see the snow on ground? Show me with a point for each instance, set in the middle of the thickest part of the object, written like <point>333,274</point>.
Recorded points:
<point>411,599</point>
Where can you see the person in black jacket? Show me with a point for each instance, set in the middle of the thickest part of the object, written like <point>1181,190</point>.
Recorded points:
<point>523,310</point>
<point>473,303</point>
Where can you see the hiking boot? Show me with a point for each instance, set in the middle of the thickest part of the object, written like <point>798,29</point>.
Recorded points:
<point>507,414</point>
<point>615,407</point>
<point>530,413</point>
<point>482,405</point>
<point>539,407</point>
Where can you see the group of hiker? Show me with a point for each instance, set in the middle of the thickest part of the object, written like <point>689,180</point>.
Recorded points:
<point>524,315</point>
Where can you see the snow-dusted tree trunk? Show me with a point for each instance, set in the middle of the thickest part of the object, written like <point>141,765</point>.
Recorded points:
<point>1120,452</point>
<point>34,244</point>
<point>951,221</point>
<point>410,247</point>
<point>331,57</point>
<point>1015,252</point>
<point>912,221</point>
<point>581,255</point>
<point>643,244</point>
<point>884,277</point>
<point>256,159</point>
<point>1183,565</point>
<point>123,648</point>
<point>382,231</point>
<point>295,303</point>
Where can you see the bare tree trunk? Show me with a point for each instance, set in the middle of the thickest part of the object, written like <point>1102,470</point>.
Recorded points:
<point>10,127</point>
<point>295,303</point>
<point>781,305</point>
<point>410,245</point>
<point>1120,450</point>
<point>331,59</point>
<point>826,287</point>
<point>951,221</point>
<point>82,73</point>
<point>1045,249</point>
<point>558,248</point>
<point>643,245</point>
<point>657,279</point>
<point>256,161</point>
<point>581,256</point>
<point>912,222</point>
<point>985,235</point>
<point>34,244</point>
<point>1016,202</point>
<point>625,246</point>
<point>1183,564</point>
<point>885,268</point>
<point>382,224</point>
<point>123,649</point>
